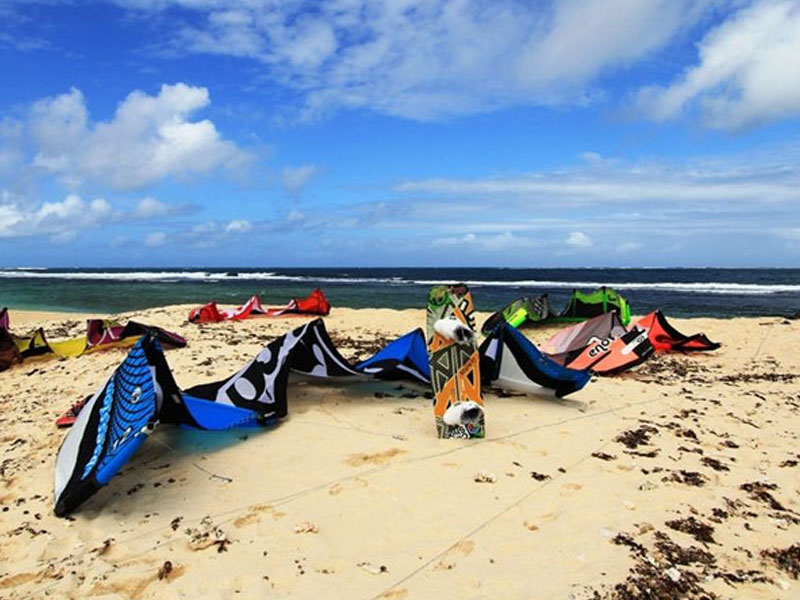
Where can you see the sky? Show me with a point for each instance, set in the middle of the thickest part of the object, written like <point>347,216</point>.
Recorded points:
<point>504,133</point>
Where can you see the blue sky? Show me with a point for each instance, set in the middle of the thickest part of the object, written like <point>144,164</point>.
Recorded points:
<point>400,133</point>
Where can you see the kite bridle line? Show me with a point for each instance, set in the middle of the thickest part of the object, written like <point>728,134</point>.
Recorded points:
<point>287,498</point>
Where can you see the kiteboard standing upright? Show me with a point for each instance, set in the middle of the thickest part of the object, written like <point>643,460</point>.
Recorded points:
<point>454,363</point>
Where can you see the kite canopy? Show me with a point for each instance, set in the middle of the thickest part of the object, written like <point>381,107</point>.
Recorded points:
<point>112,425</point>
<point>314,304</point>
<point>666,338</point>
<point>407,355</point>
<point>509,360</point>
<point>261,386</point>
<point>103,332</point>
<point>537,311</point>
<point>100,334</point>
<point>9,353</point>
<point>601,344</point>
<point>585,306</point>
<point>611,355</point>
<point>570,341</point>
<point>520,312</point>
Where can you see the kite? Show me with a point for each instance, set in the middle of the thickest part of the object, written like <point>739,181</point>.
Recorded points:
<point>142,394</point>
<point>665,338</point>
<point>100,334</point>
<point>580,307</point>
<point>314,304</point>
<point>601,344</point>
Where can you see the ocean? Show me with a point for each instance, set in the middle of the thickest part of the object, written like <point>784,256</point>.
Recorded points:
<point>706,292</point>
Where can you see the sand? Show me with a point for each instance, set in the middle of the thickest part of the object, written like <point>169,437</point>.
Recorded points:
<point>682,477</point>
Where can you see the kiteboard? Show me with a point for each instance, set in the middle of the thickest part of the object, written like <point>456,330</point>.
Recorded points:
<point>454,363</point>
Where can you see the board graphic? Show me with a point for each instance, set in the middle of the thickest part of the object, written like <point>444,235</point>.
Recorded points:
<point>454,363</point>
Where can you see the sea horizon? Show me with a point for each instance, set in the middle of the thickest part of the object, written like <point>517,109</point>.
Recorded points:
<point>680,291</point>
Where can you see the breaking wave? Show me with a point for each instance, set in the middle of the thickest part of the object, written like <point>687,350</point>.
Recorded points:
<point>530,285</point>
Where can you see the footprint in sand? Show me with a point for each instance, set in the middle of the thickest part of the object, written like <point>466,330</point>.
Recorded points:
<point>463,548</point>
<point>549,517</point>
<point>255,512</point>
<point>570,488</point>
<point>376,458</point>
<point>395,594</point>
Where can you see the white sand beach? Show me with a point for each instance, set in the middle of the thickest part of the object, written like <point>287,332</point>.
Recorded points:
<point>682,472</point>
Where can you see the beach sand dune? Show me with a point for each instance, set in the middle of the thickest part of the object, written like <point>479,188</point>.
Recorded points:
<point>682,477</point>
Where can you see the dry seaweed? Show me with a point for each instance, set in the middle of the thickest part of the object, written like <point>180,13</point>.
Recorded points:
<point>786,559</point>
<point>634,438</point>
<point>700,531</point>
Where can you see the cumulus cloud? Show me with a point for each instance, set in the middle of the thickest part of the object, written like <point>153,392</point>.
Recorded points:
<point>148,139</point>
<point>209,234</point>
<point>18,219</point>
<point>295,179</point>
<point>579,239</point>
<point>747,71</point>
<point>238,226</point>
<point>430,59</point>
<point>149,207</point>
<point>20,216</point>
<point>498,242</point>
<point>12,139</point>
<point>295,216</point>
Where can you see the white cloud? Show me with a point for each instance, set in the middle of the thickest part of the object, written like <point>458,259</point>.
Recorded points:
<point>295,216</point>
<point>579,239</point>
<point>205,227</point>
<point>295,179</point>
<point>149,138</point>
<point>155,239</point>
<point>149,207</point>
<point>20,216</point>
<point>706,181</point>
<point>432,59</point>
<point>12,140</point>
<point>214,233</point>
<point>748,71</point>
<point>17,218</point>
<point>611,200</point>
<point>238,226</point>
<point>499,242</point>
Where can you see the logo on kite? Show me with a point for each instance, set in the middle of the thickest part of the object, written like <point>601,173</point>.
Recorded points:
<point>601,346</point>
<point>639,339</point>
